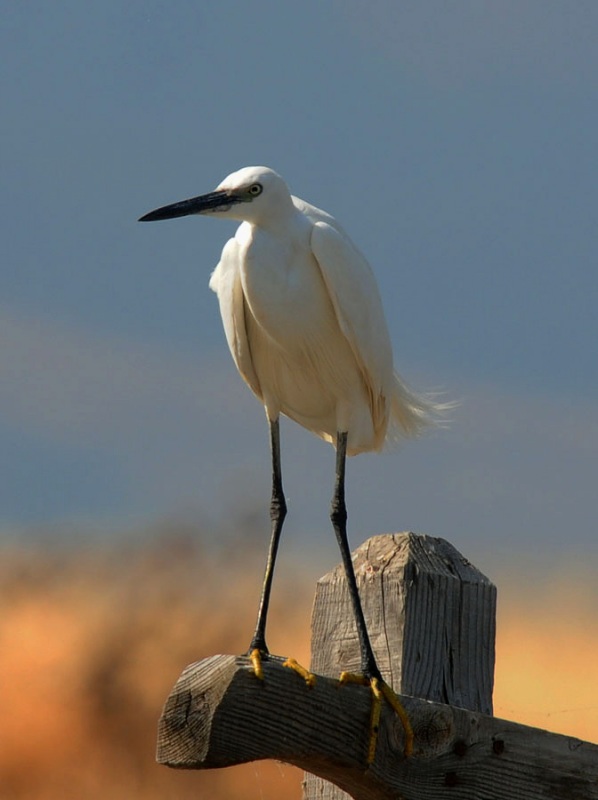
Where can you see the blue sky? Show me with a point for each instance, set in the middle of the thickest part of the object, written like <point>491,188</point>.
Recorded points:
<point>456,142</point>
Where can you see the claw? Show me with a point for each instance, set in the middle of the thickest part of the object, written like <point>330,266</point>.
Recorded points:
<point>308,677</point>
<point>374,719</point>
<point>393,701</point>
<point>381,691</point>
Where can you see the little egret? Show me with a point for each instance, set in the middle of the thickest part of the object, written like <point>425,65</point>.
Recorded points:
<point>305,325</point>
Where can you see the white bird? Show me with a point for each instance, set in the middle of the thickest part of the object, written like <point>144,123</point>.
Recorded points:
<point>305,326</point>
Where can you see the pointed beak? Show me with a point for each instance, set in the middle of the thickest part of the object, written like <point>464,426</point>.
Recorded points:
<point>214,201</point>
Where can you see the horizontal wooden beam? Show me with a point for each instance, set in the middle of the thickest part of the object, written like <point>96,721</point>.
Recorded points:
<point>219,714</point>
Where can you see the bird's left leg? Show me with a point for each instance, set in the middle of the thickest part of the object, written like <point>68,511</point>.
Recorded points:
<point>370,673</point>
<point>278,511</point>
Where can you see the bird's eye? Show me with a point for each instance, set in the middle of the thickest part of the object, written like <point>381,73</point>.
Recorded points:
<point>255,189</point>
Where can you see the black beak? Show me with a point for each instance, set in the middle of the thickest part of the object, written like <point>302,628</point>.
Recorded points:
<point>214,201</point>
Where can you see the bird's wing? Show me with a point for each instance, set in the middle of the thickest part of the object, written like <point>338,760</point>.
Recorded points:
<point>356,301</point>
<point>226,282</point>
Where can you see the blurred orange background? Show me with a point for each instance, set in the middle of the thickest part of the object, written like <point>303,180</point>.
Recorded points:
<point>93,638</point>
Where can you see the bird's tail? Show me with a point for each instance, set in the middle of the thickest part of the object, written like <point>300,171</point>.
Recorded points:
<point>412,413</point>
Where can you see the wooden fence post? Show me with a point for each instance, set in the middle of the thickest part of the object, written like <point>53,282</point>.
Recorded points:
<point>431,619</point>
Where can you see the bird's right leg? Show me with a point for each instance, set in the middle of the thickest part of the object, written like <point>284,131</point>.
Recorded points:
<point>278,512</point>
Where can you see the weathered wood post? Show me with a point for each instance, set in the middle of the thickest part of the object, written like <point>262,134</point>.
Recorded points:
<point>431,619</point>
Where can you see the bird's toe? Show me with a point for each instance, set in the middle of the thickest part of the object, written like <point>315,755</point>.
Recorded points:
<point>381,691</point>
<point>308,677</point>
<point>255,656</point>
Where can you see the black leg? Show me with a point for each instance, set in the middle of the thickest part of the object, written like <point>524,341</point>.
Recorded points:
<point>369,668</point>
<point>338,515</point>
<point>278,511</point>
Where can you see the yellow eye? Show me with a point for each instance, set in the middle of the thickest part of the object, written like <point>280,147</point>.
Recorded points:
<point>255,189</point>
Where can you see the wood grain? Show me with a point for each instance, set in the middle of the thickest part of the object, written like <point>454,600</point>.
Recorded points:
<point>219,714</point>
<point>431,618</point>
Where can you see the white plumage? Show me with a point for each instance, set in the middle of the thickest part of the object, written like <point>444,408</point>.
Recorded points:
<point>304,320</point>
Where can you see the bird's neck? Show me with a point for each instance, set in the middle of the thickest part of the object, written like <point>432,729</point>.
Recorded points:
<point>285,222</point>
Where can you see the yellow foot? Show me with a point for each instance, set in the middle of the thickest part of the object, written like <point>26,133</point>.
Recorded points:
<point>381,691</point>
<point>308,677</point>
<point>256,660</point>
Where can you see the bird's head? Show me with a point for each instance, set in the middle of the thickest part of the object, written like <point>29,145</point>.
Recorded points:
<point>251,193</point>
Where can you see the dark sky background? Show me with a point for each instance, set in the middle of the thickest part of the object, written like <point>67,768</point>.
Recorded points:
<point>456,142</point>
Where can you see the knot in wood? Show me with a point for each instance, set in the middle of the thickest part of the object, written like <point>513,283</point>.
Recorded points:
<point>434,730</point>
